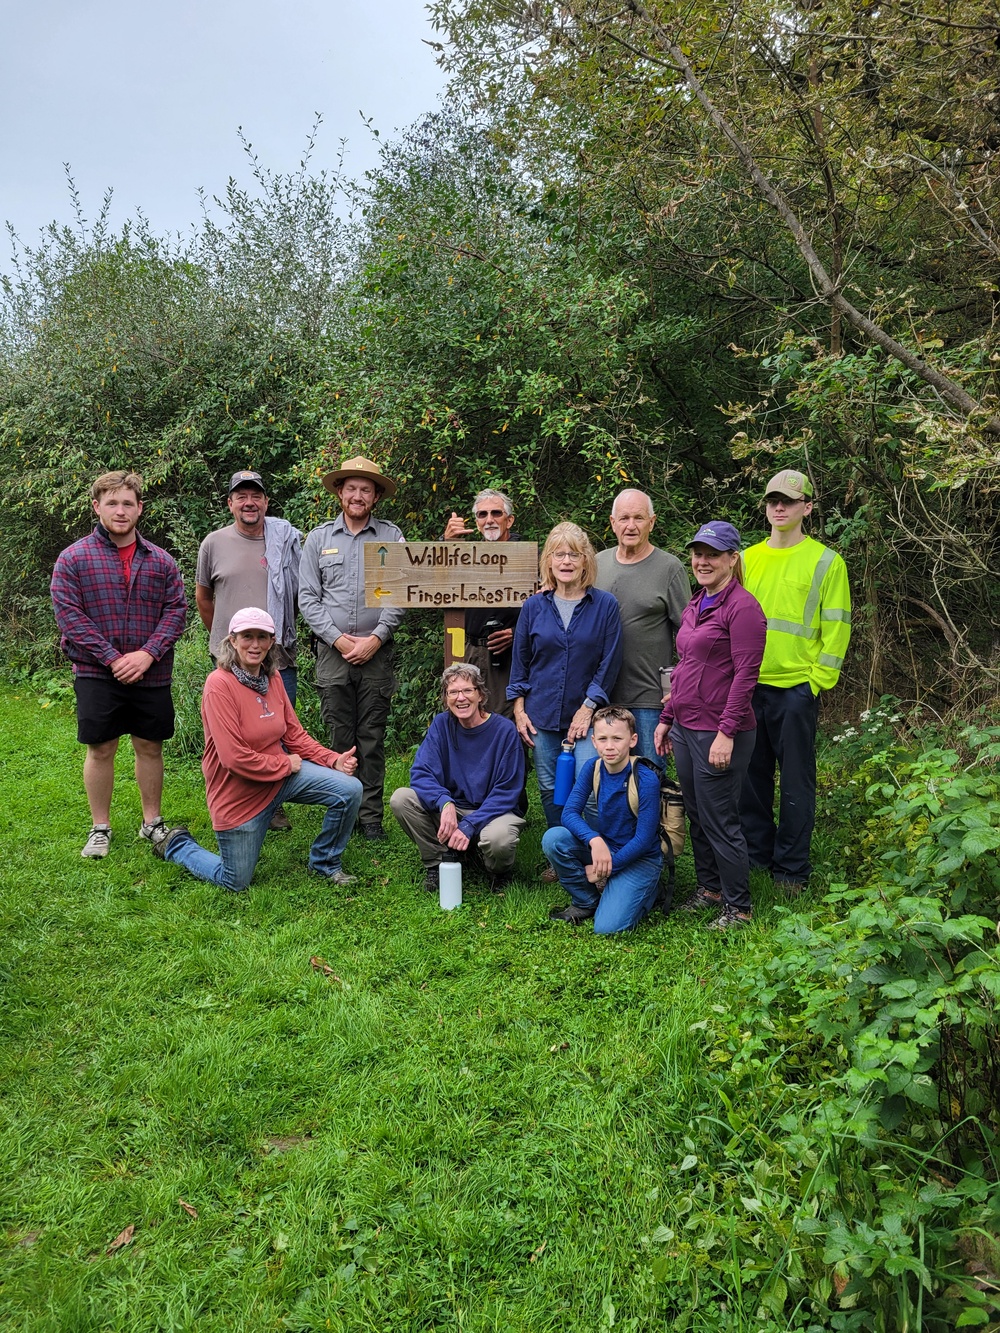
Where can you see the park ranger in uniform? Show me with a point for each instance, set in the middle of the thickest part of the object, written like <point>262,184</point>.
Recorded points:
<point>354,665</point>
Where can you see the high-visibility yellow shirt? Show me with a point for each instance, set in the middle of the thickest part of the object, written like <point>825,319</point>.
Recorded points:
<point>804,592</point>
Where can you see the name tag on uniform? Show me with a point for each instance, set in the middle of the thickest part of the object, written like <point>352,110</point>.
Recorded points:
<point>331,550</point>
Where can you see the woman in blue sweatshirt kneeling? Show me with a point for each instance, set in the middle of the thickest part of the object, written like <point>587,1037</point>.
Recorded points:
<point>612,871</point>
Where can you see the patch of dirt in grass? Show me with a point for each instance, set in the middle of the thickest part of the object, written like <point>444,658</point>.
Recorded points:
<point>286,1142</point>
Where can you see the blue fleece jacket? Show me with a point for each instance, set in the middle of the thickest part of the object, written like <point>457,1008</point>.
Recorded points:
<point>629,838</point>
<point>480,768</point>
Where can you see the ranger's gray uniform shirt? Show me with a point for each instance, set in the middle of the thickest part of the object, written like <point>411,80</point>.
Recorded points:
<point>332,581</point>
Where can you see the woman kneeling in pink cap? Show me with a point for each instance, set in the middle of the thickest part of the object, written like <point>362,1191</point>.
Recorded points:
<point>257,756</point>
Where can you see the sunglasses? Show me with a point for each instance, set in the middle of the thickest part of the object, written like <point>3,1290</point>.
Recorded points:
<point>489,513</point>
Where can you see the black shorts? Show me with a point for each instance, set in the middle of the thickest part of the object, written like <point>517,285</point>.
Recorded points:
<point>106,709</point>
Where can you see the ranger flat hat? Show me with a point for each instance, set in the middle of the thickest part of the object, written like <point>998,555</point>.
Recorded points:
<point>359,467</point>
<point>796,485</point>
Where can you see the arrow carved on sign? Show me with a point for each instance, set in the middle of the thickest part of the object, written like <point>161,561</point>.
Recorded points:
<point>383,551</point>
<point>381,592</point>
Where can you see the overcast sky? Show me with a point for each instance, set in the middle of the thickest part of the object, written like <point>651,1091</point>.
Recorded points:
<point>146,96</point>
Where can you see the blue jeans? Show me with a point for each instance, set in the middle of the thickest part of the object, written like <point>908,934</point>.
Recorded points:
<point>646,720</point>
<point>290,680</point>
<point>628,896</point>
<point>548,747</point>
<point>239,848</point>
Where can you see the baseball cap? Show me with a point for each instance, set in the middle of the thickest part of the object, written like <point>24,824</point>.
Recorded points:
<point>251,617</point>
<point>795,485</point>
<point>720,536</point>
<point>245,479</point>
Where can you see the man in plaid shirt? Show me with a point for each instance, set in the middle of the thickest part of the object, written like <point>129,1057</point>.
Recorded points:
<point>119,604</point>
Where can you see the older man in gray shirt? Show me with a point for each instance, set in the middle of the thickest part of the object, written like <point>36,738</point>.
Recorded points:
<point>354,667</point>
<point>652,590</point>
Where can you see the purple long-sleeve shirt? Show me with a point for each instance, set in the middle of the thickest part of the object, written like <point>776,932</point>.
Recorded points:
<point>719,651</point>
<point>101,618</point>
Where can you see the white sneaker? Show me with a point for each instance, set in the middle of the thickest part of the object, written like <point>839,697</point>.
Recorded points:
<point>97,843</point>
<point>154,832</point>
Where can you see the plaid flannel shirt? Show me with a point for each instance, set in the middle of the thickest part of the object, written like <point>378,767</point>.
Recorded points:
<point>100,618</point>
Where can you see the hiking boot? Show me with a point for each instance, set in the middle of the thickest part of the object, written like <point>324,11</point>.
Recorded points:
<point>498,880</point>
<point>573,914</point>
<point>432,879</point>
<point>155,831</point>
<point>280,821</point>
<point>160,848</point>
<point>730,919</point>
<point>373,832</point>
<point>700,901</point>
<point>548,876</point>
<point>791,888</point>
<point>97,841</point>
<point>342,878</point>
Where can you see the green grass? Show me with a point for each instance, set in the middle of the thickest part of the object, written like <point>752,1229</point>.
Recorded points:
<point>478,1124</point>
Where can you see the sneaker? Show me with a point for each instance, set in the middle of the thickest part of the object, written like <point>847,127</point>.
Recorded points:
<point>432,879</point>
<point>98,841</point>
<point>729,919</point>
<point>155,831</point>
<point>160,847</point>
<point>373,832</point>
<point>342,878</point>
<point>498,880</point>
<point>700,901</point>
<point>280,821</point>
<point>574,915</point>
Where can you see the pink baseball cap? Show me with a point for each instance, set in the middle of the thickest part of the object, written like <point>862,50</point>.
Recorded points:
<point>251,617</point>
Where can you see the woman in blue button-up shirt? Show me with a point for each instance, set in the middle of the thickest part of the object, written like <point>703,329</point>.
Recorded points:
<point>566,657</point>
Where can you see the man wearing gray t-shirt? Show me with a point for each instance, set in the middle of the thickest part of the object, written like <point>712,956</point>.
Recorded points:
<point>652,590</point>
<point>254,561</point>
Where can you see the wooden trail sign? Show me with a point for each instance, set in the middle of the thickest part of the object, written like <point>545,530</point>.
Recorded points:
<point>450,576</point>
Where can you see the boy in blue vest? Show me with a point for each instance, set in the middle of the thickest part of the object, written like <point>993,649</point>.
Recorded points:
<point>611,871</point>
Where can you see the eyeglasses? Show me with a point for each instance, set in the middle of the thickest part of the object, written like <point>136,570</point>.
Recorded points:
<point>567,557</point>
<point>461,694</point>
<point>490,513</point>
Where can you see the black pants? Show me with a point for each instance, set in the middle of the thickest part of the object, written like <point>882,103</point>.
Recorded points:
<point>355,702</point>
<point>712,802</point>
<point>786,740</point>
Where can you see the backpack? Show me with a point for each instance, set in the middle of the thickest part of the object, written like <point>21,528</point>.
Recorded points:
<point>671,818</point>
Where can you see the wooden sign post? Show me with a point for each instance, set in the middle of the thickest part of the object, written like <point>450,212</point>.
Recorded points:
<point>451,576</point>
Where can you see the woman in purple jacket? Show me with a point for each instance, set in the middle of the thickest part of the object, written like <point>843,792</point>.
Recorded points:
<point>708,722</point>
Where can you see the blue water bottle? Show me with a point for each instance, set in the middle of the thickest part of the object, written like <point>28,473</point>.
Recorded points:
<point>565,774</point>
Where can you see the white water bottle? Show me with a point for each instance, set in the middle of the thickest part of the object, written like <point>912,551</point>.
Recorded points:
<point>450,884</point>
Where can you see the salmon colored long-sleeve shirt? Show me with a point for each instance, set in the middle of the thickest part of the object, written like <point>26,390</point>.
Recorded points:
<point>246,738</point>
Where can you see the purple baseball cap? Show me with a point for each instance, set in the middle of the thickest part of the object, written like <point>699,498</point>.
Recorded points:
<point>720,536</point>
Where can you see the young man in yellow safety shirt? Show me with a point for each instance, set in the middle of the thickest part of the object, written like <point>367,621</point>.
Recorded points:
<point>802,587</point>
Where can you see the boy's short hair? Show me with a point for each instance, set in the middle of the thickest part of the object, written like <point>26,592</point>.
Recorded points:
<point>109,482</point>
<point>614,713</point>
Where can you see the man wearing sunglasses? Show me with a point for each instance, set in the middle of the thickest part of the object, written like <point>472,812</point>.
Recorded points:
<point>489,633</point>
